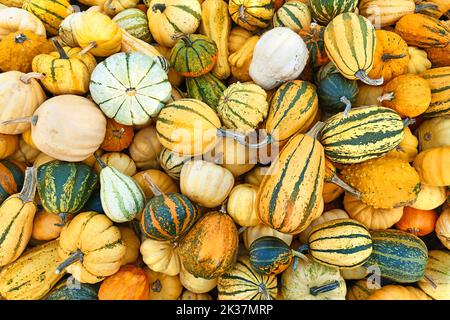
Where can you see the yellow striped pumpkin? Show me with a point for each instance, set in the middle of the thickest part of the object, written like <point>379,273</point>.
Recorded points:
<point>251,14</point>
<point>438,79</point>
<point>50,12</point>
<point>293,15</point>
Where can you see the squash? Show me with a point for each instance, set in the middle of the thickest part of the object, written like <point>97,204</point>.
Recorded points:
<point>145,148</point>
<point>372,218</point>
<point>25,153</point>
<point>397,292</point>
<point>251,14</point>
<point>384,183</point>
<point>172,163</point>
<point>70,289</point>
<point>409,95</point>
<point>16,219</point>
<point>440,93</point>
<point>160,256</point>
<point>326,216</point>
<point>423,31</point>
<point>398,256</point>
<point>437,8</point>
<point>15,19</point>
<point>368,95</point>
<point>12,3</point>
<point>118,136</point>
<point>243,283</point>
<point>65,71</point>
<point>418,60</point>
<point>360,290</point>
<point>416,221</point>
<point>237,38</point>
<point>311,280</point>
<point>242,106</point>
<point>114,7</point>
<point>26,136</point>
<point>135,22</point>
<point>11,178</point>
<point>210,247</point>
<point>429,198</point>
<point>46,226</point>
<point>433,166</point>
<point>437,271</point>
<point>331,192</point>
<point>216,25</point>
<point>33,275</point>
<point>163,286</point>
<point>354,274</point>
<point>442,227</point>
<point>275,49</point>
<point>167,17</point>
<point>129,283</point>
<point>324,71</point>
<point>251,234</point>
<point>161,179</point>
<point>132,245</point>
<point>313,38</point>
<point>407,149</point>
<point>188,295</point>
<point>434,132</point>
<point>8,145</point>
<point>354,56</point>
<point>65,30</point>
<point>195,284</point>
<point>241,59</point>
<point>120,161</point>
<point>325,11</point>
<point>336,93</point>
<point>207,88</point>
<point>294,15</point>
<point>192,182</point>
<point>51,13</point>
<point>142,96</point>
<point>242,205</point>
<point>439,56</point>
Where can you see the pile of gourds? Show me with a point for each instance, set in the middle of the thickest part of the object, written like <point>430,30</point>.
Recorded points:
<point>241,149</point>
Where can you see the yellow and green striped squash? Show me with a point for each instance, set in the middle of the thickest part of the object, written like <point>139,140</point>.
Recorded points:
<point>50,12</point>
<point>439,81</point>
<point>365,133</point>
<point>171,163</point>
<point>342,243</point>
<point>251,14</point>
<point>207,88</point>
<point>294,15</point>
<point>350,44</point>
<point>323,11</point>
<point>438,271</point>
<point>135,22</point>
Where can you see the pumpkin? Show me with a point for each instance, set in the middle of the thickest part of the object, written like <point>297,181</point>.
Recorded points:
<point>210,247</point>
<point>372,218</point>
<point>11,178</point>
<point>134,21</point>
<point>439,57</point>
<point>25,153</point>
<point>326,216</point>
<point>160,256</point>
<point>429,198</point>
<point>275,49</point>
<point>65,71</point>
<point>433,166</point>
<point>161,179</point>
<point>368,95</point>
<point>354,56</point>
<point>192,182</point>
<point>120,161</point>
<point>440,93</point>
<point>118,136</point>
<point>434,132</point>
<point>207,88</point>
<point>129,283</point>
<point>70,289</point>
<point>24,46</point>
<point>167,17</point>
<point>418,61</point>
<point>195,284</point>
<point>311,280</point>
<point>409,95</point>
<point>237,38</point>
<point>8,145</point>
<point>416,221</point>
<point>331,192</point>
<point>15,19</point>
<point>336,93</point>
<point>361,290</point>
<point>397,292</point>
<point>242,205</point>
<point>16,219</point>
<point>142,96</point>
<point>171,163</point>
<point>251,234</point>
<point>132,245</point>
<point>46,226</point>
<point>354,274</point>
<point>145,148</point>
<point>437,272</point>
<point>407,148</point>
<point>163,286</point>
<point>51,13</point>
<point>293,15</point>
<point>65,30</point>
<point>251,14</point>
<point>241,59</point>
<point>326,11</point>
<point>114,7</point>
<point>313,38</point>
<point>442,227</point>
<point>188,295</point>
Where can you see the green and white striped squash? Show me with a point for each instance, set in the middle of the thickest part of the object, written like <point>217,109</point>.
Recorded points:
<point>130,87</point>
<point>438,271</point>
<point>399,256</point>
<point>135,22</point>
<point>294,15</point>
<point>207,88</point>
<point>171,162</point>
<point>244,283</point>
<point>71,289</point>
<point>323,11</point>
<point>336,93</point>
<point>365,133</point>
<point>342,243</point>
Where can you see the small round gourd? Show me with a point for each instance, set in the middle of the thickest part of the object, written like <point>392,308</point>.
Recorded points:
<point>160,256</point>
<point>129,283</point>
<point>442,227</point>
<point>418,60</point>
<point>135,22</point>
<point>416,221</point>
<point>242,205</point>
<point>8,145</point>
<point>433,166</point>
<point>436,282</point>
<point>429,197</point>
<point>16,19</point>
<point>65,30</point>
<point>251,15</point>
<point>161,179</point>
<point>132,245</point>
<point>326,216</point>
<point>118,136</point>
<point>336,93</point>
<point>145,148</point>
<point>196,284</point>
<point>51,13</point>
<point>172,163</point>
<point>12,177</point>
<point>120,161</point>
<point>397,292</point>
<point>251,234</point>
<point>294,15</point>
<point>163,286</point>
<point>434,132</point>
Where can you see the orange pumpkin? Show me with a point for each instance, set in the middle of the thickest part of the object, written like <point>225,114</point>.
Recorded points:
<point>118,136</point>
<point>418,222</point>
<point>129,283</point>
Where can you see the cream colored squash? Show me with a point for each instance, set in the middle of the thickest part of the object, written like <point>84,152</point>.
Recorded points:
<point>242,205</point>
<point>194,284</point>
<point>15,19</point>
<point>355,273</point>
<point>120,161</point>
<point>145,148</point>
<point>442,227</point>
<point>418,61</point>
<point>429,198</point>
<point>160,256</point>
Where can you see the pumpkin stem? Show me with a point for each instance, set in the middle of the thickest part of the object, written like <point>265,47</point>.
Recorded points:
<point>156,286</point>
<point>88,48</point>
<point>341,183</point>
<point>100,161</point>
<point>63,217</point>
<point>263,289</point>
<point>314,131</point>
<point>430,281</point>
<point>242,229</point>
<point>20,38</point>
<point>33,120</point>
<point>348,106</point>
<point>74,257</point>
<point>223,207</point>
<point>387,96</point>
<point>241,11</point>
<point>325,288</point>
<point>408,121</point>
<point>183,37</point>
<point>155,189</point>
<point>241,139</point>
<point>26,78</point>
<point>362,75</point>
<point>424,6</point>
<point>415,231</point>
<point>29,185</point>
<point>159,7</point>
<point>60,49</point>
<point>386,57</point>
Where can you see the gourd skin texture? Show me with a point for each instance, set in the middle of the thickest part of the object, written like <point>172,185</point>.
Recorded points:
<point>69,289</point>
<point>270,255</point>
<point>325,10</point>
<point>433,133</point>
<point>331,90</point>
<point>313,37</point>
<point>438,270</point>
<point>294,14</point>
<point>160,256</point>
<point>418,61</point>
<point>207,88</point>
<point>241,59</point>
<point>135,22</point>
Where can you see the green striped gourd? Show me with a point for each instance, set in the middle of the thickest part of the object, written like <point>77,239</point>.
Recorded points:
<point>399,256</point>
<point>438,79</point>
<point>11,178</point>
<point>71,289</point>
<point>336,93</point>
<point>207,88</point>
<point>294,15</point>
<point>323,11</point>
<point>243,106</point>
<point>291,191</point>
<point>342,243</point>
<point>135,22</point>
<point>243,283</point>
<point>65,187</point>
<point>313,38</point>
<point>365,133</point>
<point>171,162</point>
<point>436,282</point>
<point>50,12</point>
<point>121,196</point>
<point>251,14</point>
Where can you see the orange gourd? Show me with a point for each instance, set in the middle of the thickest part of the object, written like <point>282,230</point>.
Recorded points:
<point>416,221</point>
<point>129,283</point>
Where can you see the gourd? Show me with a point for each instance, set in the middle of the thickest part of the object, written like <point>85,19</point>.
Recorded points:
<point>368,95</point>
<point>409,95</point>
<point>313,38</point>
<point>331,192</point>
<point>101,252</point>
<point>399,256</point>
<point>372,218</point>
<point>129,283</point>
<point>360,290</point>
<point>65,71</point>
<point>65,187</point>
<point>132,244</point>
<point>237,38</point>
<point>167,17</point>
<point>135,22</point>
<point>114,7</point>
<point>336,93</point>
<point>25,153</point>
<point>172,163</point>
<point>433,167</point>
<point>12,3</point>
<point>11,178</point>
<point>8,145</point>
<point>442,227</point>
<point>325,71</point>
<point>70,289</point>
<point>407,149</point>
<point>216,25</point>
<point>293,15</point>
<point>195,284</point>
<point>161,179</point>
<point>242,205</point>
<point>439,57</point>
<point>388,182</point>
<point>241,59</point>
<point>440,93</point>
<point>16,219</point>
<point>326,11</point>
<point>353,57</point>
<point>207,88</point>
<point>250,234</point>
<point>141,96</point>
<point>163,286</point>
<point>416,221</point>
<point>429,198</point>
<point>354,274</point>
<point>279,55</point>
<point>251,14</point>
<point>120,161</point>
<point>210,247</point>
<point>437,271</point>
<point>26,136</point>
<point>418,60</point>
<point>188,295</point>
<point>192,182</point>
<point>65,30</point>
<point>46,226</point>
<point>391,56</point>
<point>118,136</point>
<point>51,13</point>
<point>255,175</point>
<point>326,216</point>
<point>33,275</point>
<point>15,19</point>
<point>397,292</point>
<point>145,148</point>
<point>312,280</point>
<point>160,256</point>
<point>243,283</point>
<point>434,132</point>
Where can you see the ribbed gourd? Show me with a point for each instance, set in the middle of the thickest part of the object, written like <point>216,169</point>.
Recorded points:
<point>135,22</point>
<point>207,88</point>
<point>51,13</point>
<point>294,15</point>
<point>251,14</point>
<point>324,11</point>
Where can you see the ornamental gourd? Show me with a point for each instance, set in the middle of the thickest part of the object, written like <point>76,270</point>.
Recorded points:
<point>132,244</point>
<point>145,148</point>
<point>15,19</point>
<point>397,292</point>
<point>135,22</point>
<point>163,286</point>
<point>129,283</point>
<point>196,284</point>
<point>326,216</point>
<point>242,205</point>
<point>437,281</point>
<point>443,227</point>
<point>407,149</point>
<point>160,256</point>
<point>172,163</point>
<point>46,226</point>
<point>118,136</point>
<point>433,166</point>
<point>8,145</point>
<point>294,15</point>
<point>51,13</point>
<point>70,289</point>
<point>325,11</point>
<point>440,57</point>
<point>438,79</point>
<point>241,59</point>
<point>11,178</point>
<point>161,179</point>
<point>336,93</point>
<point>207,88</point>
<point>121,161</point>
<point>418,61</point>
<point>65,30</point>
<point>238,36</point>
<point>250,234</point>
<point>312,35</point>
<point>251,14</point>
<point>416,221</point>
<point>368,95</point>
<point>434,132</point>
<point>114,7</point>
<point>429,197</point>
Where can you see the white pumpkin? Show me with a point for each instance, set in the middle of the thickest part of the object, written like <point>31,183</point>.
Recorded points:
<point>429,197</point>
<point>261,230</point>
<point>160,256</point>
<point>280,55</point>
<point>324,217</point>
